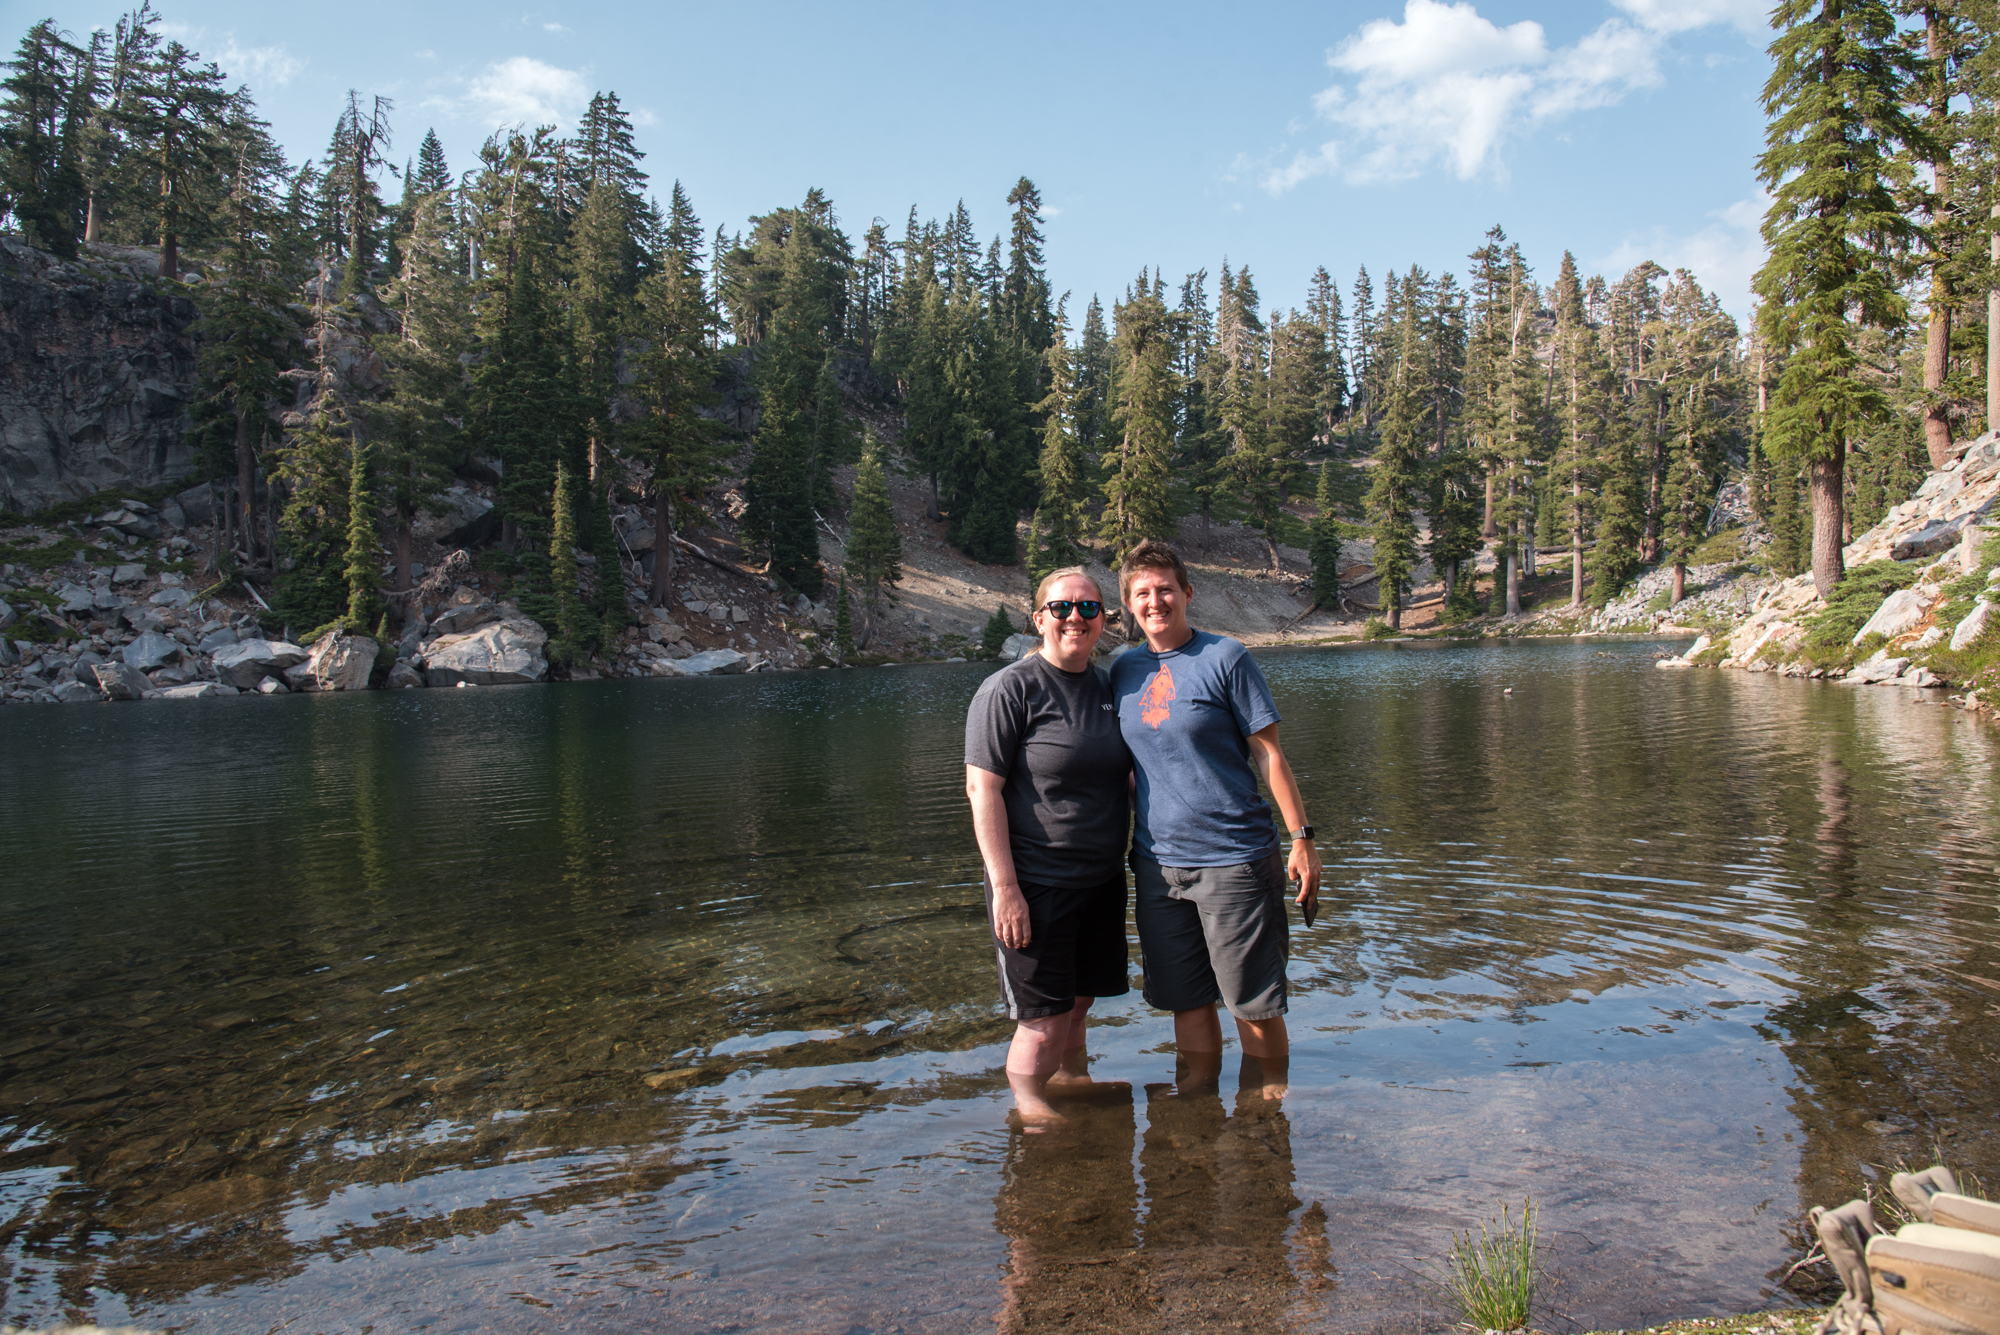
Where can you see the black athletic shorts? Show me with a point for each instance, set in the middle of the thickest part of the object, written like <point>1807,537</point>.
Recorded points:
<point>1076,948</point>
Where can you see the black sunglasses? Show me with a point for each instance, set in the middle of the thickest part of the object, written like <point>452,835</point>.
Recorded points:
<point>1087,608</point>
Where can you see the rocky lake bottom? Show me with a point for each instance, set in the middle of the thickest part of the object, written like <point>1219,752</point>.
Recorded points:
<point>667,1005</point>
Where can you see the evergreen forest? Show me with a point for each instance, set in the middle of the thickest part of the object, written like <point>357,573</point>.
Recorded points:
<point>556,318</point>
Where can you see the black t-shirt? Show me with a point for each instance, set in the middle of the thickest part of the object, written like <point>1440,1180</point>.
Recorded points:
<point>1053,735</point>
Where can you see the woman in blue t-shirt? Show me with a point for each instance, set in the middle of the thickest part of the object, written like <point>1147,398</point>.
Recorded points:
<point>1209,876</point>
<point>1048,776</point>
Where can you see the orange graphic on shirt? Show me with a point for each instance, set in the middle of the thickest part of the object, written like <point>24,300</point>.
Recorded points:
<point>1155,701</point>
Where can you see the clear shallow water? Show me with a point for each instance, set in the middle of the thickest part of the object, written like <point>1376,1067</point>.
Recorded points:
<point>326,1012</point>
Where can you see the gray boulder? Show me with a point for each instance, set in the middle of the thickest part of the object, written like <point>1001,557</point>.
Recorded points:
<point>403,677</point>
<point>248,662</point>
<point>104,600</point>
<point>196,504</point>
<point>1899,612</point>
<point>1932,538</point>
<point>505,653</point>
<point>76,693</point>
<point>120,682</point>
<point>218,639</point>
<point>140,617</point>
<point>463,518</point>
<point>1975,624</point>
<point>1017,647</point>
<point>336,662</point>
<point>714,663</point>
<point>9,655</point>
<point>171,598</point>
<point>1877,670</point>
<point>126,520</point>
<point>463,617</point>
<point>7,613</point>
<point>75,598</point>
<point>152,650</point>
<point>128,574</point>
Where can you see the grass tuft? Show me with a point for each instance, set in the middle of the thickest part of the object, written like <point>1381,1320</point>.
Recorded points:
<point>1491,1279</point>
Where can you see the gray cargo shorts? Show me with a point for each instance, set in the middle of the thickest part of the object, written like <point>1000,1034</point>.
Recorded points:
<point>1209,934</point>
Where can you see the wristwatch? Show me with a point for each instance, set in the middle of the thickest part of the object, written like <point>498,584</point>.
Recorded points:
<point>1303,832</point>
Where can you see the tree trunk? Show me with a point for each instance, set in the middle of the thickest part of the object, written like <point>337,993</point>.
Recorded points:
<point>1487,529</point>
<point>1829,517</point>
<point>1680,584</point>
<point>1993,323</point>
<point>1392,608</point>
<point>271,528</point>
<point>1450,580</point>
<point>663,547</point>
<point>1513,580</point>
<point>1272,544</point>
<point>405,539</point>
<point>170,256</point>
<point>246,484</point>
<point>90,219</point>
<point>1937,416</point>
<point>1575,540</point>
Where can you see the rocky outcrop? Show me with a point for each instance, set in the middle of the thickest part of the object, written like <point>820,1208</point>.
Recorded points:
<point>336,662</point>
<point>504,653</point>
<point>714,663</point>
<point>96,366</point>
<point>247,663</point>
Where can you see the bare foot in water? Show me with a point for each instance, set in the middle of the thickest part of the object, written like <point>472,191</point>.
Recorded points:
<point>1029,1104</point>
<point>1270,1076</point>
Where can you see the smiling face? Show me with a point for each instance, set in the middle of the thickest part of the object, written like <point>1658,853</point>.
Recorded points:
<point>1159,603</point>
<point>1072,638</point>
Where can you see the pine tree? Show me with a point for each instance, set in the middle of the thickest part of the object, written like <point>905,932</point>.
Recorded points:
<point>567,645</point>
<point>1361,335</point>
<point>1392,496</point>
<point>843,627</point>
<point>1325,542</point>
<point>993,637</point>
<point>1090,407</point>
<point>1136,502</point>
<point>1056,536</point>
<point>874,547</point>
<point>40,177</point>
<point>173,113</point>
<point>1837,102</point>
<point>674,379</point>
<point>363,567</point>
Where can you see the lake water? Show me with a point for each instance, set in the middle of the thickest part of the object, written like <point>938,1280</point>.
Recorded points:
<point>337,1012</point>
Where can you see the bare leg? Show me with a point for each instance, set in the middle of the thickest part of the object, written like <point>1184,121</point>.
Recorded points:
<point>1267,1054</point>
<point>1198,1036</point>
<point>1074,1066</point>
<point>1034,1055</point>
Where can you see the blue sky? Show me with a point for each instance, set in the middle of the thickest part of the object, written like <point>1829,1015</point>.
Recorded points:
<point>1281,135</point>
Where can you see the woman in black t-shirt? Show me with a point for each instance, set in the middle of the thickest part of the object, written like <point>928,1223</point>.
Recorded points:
<point>1048,777</point>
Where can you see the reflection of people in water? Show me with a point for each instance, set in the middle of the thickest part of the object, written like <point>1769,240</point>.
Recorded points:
<point>1208,1250</point>
<point>1218,1200</point>
<point>1209,875</point>
<point>1048,776</point>
<point>1068,1207</point>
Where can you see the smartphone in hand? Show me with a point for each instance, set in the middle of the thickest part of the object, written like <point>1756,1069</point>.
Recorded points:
<point>1309,909</point>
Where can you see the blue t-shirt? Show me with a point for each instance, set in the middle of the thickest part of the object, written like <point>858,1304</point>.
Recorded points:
<point>1188,714</point>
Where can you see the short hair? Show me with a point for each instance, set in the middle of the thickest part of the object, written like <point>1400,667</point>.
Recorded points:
<point>1150,554</point>
<point>1042,589</point>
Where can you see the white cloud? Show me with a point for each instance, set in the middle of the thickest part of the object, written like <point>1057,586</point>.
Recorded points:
<point>1447,86</point>
<point>260,66</point>
<point>519,91</point>
<point>1723,256</point>
<point>554,27</point>
<point>1752,18</point>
